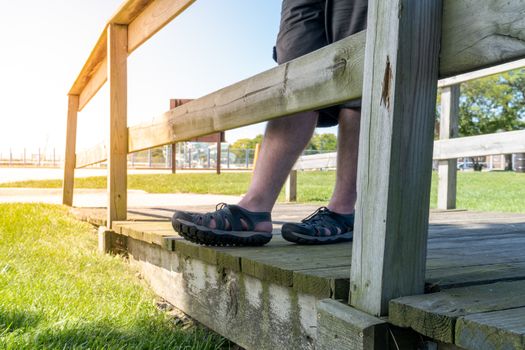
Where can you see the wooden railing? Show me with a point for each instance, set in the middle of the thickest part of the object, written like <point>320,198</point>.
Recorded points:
<point>446,150</point>
<point>401,69</point>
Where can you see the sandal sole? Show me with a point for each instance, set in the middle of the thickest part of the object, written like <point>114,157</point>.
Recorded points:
<point>210,237</point>
<point>299,238</point>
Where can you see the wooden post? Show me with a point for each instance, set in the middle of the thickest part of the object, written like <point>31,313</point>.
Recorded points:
<point>448,128</point>
<point>174,158</point>
<point>218,162</point>
<point>69,158</point>
<point>118,134</point>
<point>290,189</point>
<point>395,152</point>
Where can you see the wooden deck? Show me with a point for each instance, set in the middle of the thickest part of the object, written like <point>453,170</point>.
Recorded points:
<point>475,276</point>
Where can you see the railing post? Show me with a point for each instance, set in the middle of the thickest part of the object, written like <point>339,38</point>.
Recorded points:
<point>218,162</point>
<point>69,157</point>
<point>290,189</point>
<point>118,134</point>
<point>395,152</point>
<point>173,158</point>
<point>448,128</point>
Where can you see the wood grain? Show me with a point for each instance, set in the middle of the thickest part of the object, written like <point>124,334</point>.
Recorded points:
<point>435,315</point>
<point>395,152</point>
<point>69,158</point>
<point>152,19</point>
<point>482,145</point>
<point>118,136</point>
<point>492,330</point>
<point>448,128</point>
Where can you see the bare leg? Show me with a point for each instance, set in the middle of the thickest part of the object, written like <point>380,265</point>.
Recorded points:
<point>283,143</point>
<point>345,194</point>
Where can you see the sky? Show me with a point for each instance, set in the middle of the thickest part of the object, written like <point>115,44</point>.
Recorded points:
<point>45,44</point>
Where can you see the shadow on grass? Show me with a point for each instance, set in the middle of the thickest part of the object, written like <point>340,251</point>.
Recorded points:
<point>12,320</point>
<point>101,335</point>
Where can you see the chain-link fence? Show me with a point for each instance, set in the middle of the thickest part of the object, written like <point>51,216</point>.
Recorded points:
<point>188,155</point>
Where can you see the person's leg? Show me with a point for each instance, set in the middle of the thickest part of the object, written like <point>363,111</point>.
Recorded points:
<point>345,195</point>
<point>334,223</point>
<point>284,141</point>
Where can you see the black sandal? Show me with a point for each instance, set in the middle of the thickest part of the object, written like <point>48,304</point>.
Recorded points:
<point>228,229</point>
<point>321,227</point>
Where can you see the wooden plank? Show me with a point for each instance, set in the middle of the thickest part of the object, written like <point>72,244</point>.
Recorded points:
<point>343,327</point>
<point>479,34</point>
<point>502,68</point>
<point>69,158</point>
<point>453,276</point>
<point>320,78</point>
<point>97,80</point>
<point>317,161</point>
<point>95,58</point>
<point>152,19</point>
<point>329,282</point>
<point>482,145</point>
<point>435,315</point>
<point>252,313</point>
<point>492,330</point>
<point>128,11</point>
<point>395,152</point>
<point>118,140</point>
<point>448,128</point>
<point>291,187</point>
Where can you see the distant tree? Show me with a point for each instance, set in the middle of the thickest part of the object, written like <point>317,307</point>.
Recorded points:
<point>492,104</point>
<point>240,146</point>
<point>489,105</point>
<point>322,142</point>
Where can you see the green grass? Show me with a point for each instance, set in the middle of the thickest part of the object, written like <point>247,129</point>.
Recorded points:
<point>483,191</point>
<point>57,292</point>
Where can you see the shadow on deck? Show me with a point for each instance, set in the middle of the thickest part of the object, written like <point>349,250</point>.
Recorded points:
<point>266,297</point>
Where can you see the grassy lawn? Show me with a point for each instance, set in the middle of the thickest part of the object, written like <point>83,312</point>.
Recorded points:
<point>483,191</point>
<point>57,292</point>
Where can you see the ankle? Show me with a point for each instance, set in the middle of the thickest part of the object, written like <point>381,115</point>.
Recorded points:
<point>255,204</point>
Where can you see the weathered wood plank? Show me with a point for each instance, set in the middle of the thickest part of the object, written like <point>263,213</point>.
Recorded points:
<point>435,315</point>
<point>448,128</point>
<point>97,80</point>
<point>69,158</point>
<point>118,136</point>
<point>330,282</point>
<point>478,34</point>
<point>502,68</point>
<point>343,327</point>
<point>252,313</point>
<point>152,19</point>
<point>462,276</point>
<point>492,330</point>
<point>482,145</point>
<point>395,152</point>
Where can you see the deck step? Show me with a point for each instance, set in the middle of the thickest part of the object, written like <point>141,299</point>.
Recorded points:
<point>475,317</point>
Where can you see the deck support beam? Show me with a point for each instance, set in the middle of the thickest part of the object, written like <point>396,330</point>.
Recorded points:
<point>395,152</point>
<point>118,131</point>
<point>70,156</point>
<point>448,128</point>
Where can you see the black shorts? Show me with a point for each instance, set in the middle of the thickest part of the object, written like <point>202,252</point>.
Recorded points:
<point>308,25</point>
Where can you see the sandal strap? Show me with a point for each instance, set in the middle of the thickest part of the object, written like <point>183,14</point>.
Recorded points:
<point>234,215</point>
